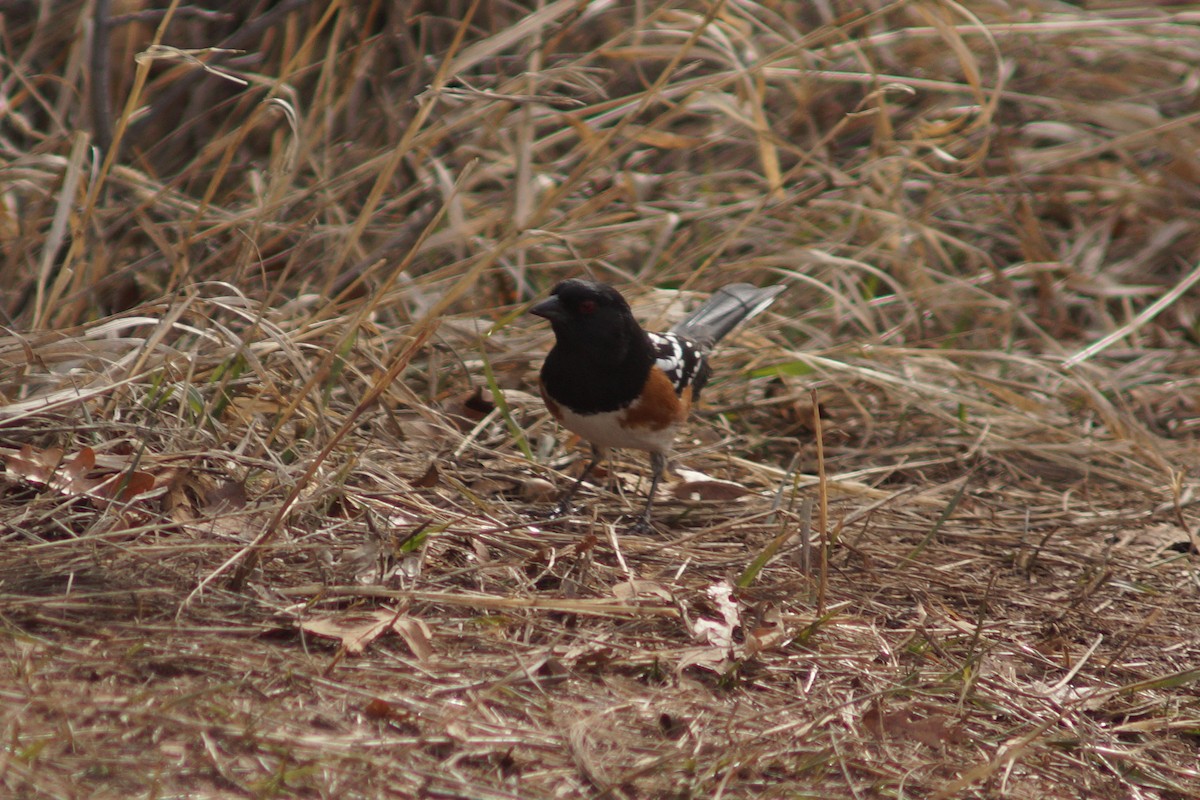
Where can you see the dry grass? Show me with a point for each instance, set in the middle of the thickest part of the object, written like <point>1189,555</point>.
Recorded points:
<point>268,287</point>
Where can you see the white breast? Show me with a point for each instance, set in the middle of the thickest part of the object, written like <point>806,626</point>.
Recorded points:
<point>604,430</point>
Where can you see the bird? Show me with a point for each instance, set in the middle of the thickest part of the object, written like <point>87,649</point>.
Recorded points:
<point>617,385</point>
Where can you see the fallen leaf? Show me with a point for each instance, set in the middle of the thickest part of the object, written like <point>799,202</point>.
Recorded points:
<point>377,708</point>
<point>123,486</point>
<point>354,631</point>
<point>415,428</point>
<point>708,658</point>
<point>76,469</point>
<point>33,465</point>
<point>631,591</point>
<point>715,632</point>
<point>245,409</point>
<point>908,723</point>
<point>697,486</point>
<point>474,405</point>
<point>396,716</point>
<point>490,487</point>
<point>47,468</point>
<point>719,633</point>
<point>429,479</point>
<point>357,630</point>
<point>537,490</point>
<point>709,490</point>
<point>769,633</point>
<point>225,496</point>
<point>416,635</point>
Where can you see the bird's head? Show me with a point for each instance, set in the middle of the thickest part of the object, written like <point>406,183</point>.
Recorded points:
<point>590,315</point>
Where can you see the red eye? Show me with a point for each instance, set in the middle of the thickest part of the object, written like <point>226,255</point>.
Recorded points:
<point>587,307</point>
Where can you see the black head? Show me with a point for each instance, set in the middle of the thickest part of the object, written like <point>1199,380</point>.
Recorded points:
<point>590,316</point>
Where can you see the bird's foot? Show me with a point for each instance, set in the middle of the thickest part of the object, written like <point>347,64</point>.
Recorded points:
<point>563,508</point>
<point>642,526</point>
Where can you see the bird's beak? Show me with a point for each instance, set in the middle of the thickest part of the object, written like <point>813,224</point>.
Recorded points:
<point>551,308</point>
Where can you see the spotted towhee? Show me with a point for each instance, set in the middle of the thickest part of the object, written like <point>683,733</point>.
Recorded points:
<point>617,385</point>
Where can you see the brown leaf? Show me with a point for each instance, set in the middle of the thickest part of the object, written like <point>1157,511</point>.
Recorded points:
<point>709,658</point>
<point>123,487</point>
<point>933,730</point>
<point>698,486</point>
<point>377,708</point>
<point>357,630</point>
<point>245,409</point>
<point>631,591</point>
<point>769,633</point>
<point>35,466</point>
<point>475,406</point>
<point>47,468</point>
<point>709,490</point>
<point>396,716</point>
<point>414,428</point>
<point>72,476</point>
<point>429,479</point>
<point>537,490</point>
<point>225,496</point>
<point>491,487</point>
<point>416,635</point>
<point>907,723</point>
<point>354,631</point>
<point>719,633</point>
<point>83,461</point>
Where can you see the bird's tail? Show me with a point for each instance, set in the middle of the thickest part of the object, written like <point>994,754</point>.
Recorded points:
<point>729,306</point>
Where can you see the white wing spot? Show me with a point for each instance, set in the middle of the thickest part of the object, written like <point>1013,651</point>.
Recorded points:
<point>676,356</point>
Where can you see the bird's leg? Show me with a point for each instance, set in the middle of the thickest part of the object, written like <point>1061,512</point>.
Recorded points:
<point>564,504</point>
<point>658,465</point>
